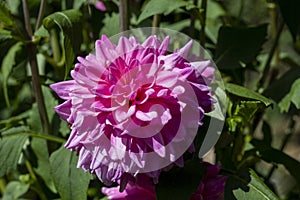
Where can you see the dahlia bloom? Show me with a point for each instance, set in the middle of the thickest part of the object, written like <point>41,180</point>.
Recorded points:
<point>141,188</point>
<point>133,108</point>
<point>212,185</point>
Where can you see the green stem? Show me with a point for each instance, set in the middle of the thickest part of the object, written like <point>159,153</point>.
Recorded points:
<point>155,24</point>
<point>37,135</point>
<point>2,185</point>
<point>5,93</point>
<point>123,10</point>
<point>54,42</point>
<point>31,48</point>
<point>38,188</point>
<point>41,14</point>
<point>241,9</point>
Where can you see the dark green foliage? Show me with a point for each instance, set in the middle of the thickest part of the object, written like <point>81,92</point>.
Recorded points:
<point>238,46</point>
<point>239,36</point>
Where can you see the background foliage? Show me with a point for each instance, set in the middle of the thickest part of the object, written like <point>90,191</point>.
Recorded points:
<point>255,44</point>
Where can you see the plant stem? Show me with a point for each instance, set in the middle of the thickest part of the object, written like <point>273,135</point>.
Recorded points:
<point>2,185</point>
<point>265,77</point>
<point>37,135</point>
<point>123,10</point>
<point>155,24</point>
<point>27,18</point>
<point>274,25</point>
<point>286,139</point>
<point>203,22</point>
<point>54,42</point>
<point>41,14</point>
<point>38,188</point>
<point>192,25</point>
<point>35,71</point>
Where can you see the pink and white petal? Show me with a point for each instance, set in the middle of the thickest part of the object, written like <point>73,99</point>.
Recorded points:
<point>63,89</point>
<point>64,110</point>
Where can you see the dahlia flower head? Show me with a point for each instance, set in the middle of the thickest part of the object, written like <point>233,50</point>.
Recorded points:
<point>133,107</point>
<point>140,188</point>
<point>212,185</point>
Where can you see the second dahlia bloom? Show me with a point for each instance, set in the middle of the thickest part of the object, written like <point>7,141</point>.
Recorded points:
<point>212,185</point>
<point>141,188</point>
<point>134,108</point>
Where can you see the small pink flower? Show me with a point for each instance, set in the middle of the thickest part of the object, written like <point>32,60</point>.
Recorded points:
<point>142,188</point>
<point>133,108</point>
<point>100,6</point>
<point>212,185</point>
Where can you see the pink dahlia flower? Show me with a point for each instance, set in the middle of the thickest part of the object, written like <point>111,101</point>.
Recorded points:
<point>141,188</point>
<point>212,185</point>
<point>133,108</point>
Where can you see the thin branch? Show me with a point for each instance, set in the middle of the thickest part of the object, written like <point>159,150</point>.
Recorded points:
<point>38,189</point>
<point>123,10</point>
<point>41,14</point>
<point>264,78</point>
<point>54,42</point>
<point>203,22</point>
<point>193,19</point>
<point>35,71</point>
<point>286,139</point>
<point>155,24</point>
<point>27,18</point>
<point>37,135</point>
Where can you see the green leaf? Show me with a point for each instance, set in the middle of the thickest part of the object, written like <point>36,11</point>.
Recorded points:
<point>177,26</point>
<point>246,93</point>
<point>78,3</point>
<point>279,88</point>
<point>6,42</point>
<point>238,45</point>
<point>42,32</point>
<point>291,15</point>
<point>71,182</point>
<point>272,155</point>
<point>10,23</point>
<point>4,35</point>
<point>292,97</point>
<point>249,186</point>
<point>43,164</point>
<point>13,6</point>
<point>5,16</point>
<point>7,65</point>
<point>10,151</point>
<point>241,115</point>
<point>165,7</point>
<point>70,23</point>
<point>15,130</point>
<point>13,121</point>
<point>34,118</point>
<point>180,183</point>
<point>14,190</point>
<point>111,24</point>
<point>69,55</point>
